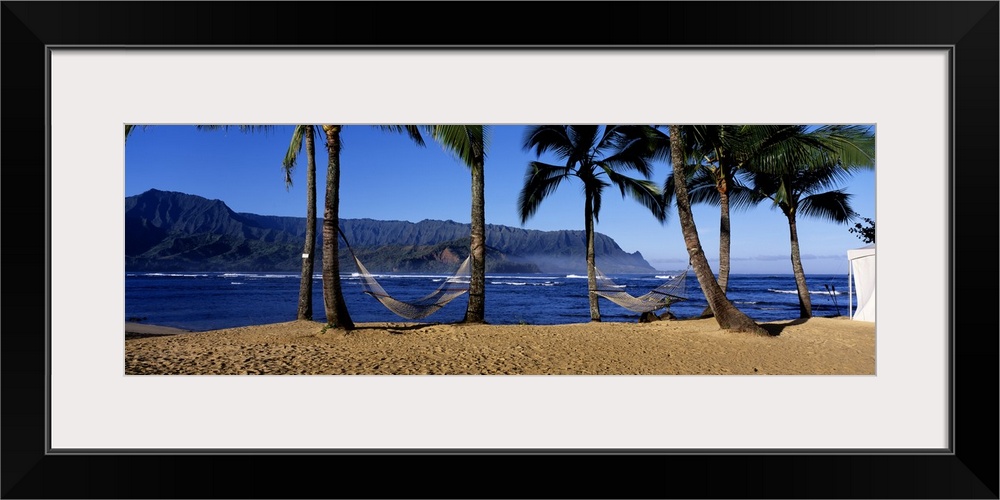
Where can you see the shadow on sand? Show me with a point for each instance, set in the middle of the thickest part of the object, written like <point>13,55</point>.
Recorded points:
<point>774,329</point>
<point>397,329</point>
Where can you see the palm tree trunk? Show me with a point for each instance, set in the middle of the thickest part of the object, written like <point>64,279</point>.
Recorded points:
<point>475,311</point>
<point>725,243</point>
<point>333,298</point>
<point>305,310</point>
<point>725,233</point>
<point>726,314</point>
<point>805,303</point>
<point>595,310</point>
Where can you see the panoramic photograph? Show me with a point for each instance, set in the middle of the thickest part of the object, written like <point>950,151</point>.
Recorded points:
<point>368,249</point>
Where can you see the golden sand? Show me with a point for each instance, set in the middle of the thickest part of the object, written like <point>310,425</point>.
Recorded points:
<point>828,346</point>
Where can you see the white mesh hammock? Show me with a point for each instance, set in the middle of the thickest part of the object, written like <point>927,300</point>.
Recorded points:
<point>673,290</point>
<point>450,289</point>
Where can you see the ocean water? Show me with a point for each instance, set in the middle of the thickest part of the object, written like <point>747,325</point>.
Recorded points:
<point>214,300</point>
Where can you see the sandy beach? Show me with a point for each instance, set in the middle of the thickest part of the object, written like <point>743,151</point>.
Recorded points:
<point>821,346</point>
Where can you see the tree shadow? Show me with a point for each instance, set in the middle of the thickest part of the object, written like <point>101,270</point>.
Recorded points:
<point>394,328</point>
<point>774,329</point>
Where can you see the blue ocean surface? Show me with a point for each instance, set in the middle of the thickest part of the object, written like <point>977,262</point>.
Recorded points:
<point>213,300</point>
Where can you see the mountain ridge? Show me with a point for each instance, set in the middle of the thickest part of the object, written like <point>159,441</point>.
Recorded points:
<point>173,231</point>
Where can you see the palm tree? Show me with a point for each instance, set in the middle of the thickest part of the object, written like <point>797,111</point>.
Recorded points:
<point>801,188</point>
<point>713,154</point>
<point>300,132</point>
<point>469,143</point>
<point>726,314</point>
<point>307,132</point>
<point>333,297</point>
<point>597,156</point>
<point>337,315</point>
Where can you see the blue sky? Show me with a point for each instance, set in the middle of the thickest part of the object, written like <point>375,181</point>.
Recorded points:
<point>386,176</point>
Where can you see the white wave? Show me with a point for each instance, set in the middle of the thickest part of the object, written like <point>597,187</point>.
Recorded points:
<point>257,276</point>
<point>813,292</point>
<point>177,275</point>
<point>236,283</point>
<point>522,277</point>
<point>665,277</point>
<point>420,276</point>
<point>524,283</point>
<point>575,276</point>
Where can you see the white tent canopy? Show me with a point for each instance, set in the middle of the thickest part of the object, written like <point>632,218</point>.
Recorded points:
<point>861,274</point>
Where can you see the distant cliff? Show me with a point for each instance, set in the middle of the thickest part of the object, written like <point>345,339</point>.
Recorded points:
<point>170,231</point>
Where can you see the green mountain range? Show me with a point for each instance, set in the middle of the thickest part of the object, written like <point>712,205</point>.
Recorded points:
<point>171,231</point>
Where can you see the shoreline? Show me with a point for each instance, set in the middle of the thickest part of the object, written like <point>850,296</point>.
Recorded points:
<point>824,346</point>
<point>135,330</point>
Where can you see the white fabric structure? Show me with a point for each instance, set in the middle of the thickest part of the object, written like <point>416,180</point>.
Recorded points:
<point>861,274</point>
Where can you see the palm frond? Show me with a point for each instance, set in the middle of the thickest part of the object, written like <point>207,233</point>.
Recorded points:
<point>466,142</point>
<point>585,139</point>
<point>853,146</point>
<point>131,128</point>
<point>660,143</point>
<point>596,199</point>
<point>831,205</point>
<point>630,150</point>
<point>246,129</point>
<point>741,197</point>
<point>413,131</point>
<point>668,183</point>
<point>294,147</point>
<point>702,187</point>
<point>782,148</point>
<point>540,181</point>
<point>641,190</point>
<point>543,138</point>
<point>765,186</point>
<point>824,176</point>
<point>487,135</point>
<point>634,152</point>
<point>779,148</point>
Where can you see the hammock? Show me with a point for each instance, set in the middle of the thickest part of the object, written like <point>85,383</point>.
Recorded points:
<point>674,290</point>
<point>452,288</point>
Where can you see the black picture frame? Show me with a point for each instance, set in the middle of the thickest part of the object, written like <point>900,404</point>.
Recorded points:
<point>970,470</point>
